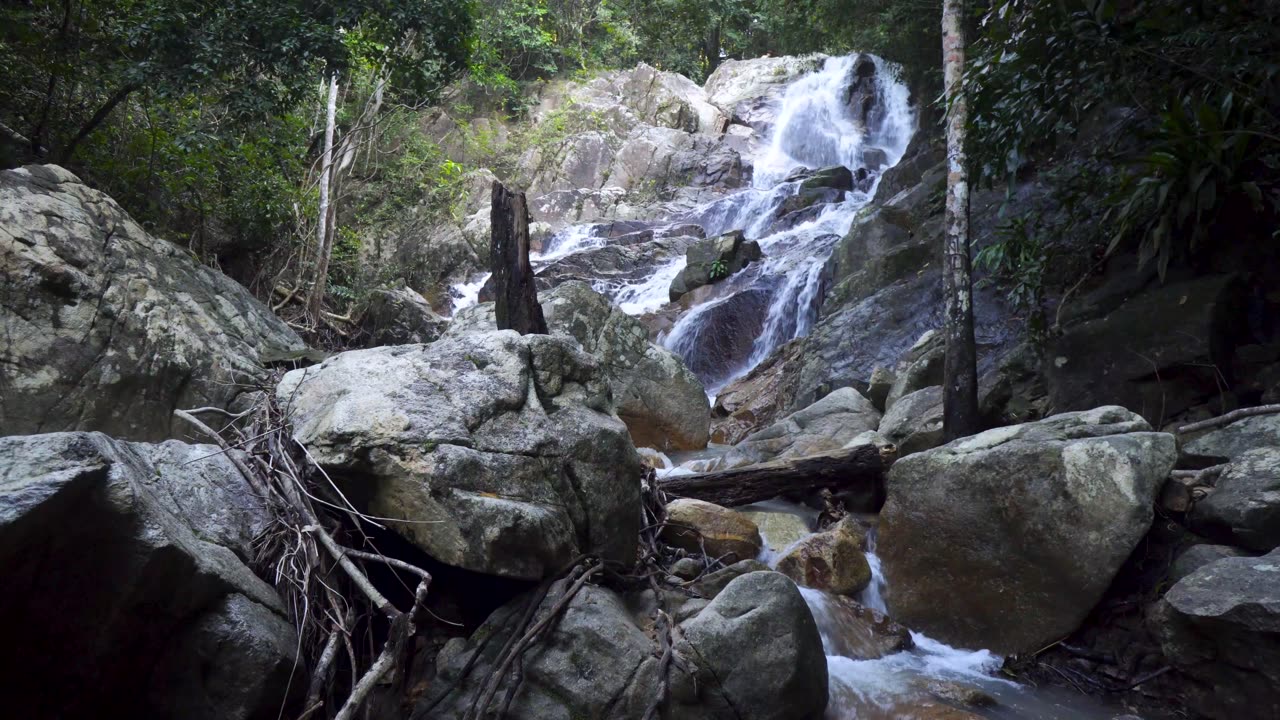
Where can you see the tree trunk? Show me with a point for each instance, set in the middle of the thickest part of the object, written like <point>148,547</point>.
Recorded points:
<point>69,151</point>
<point>515,295</point>
<point>324,232</point>
<point>960,373</point>
<point>860,467</point>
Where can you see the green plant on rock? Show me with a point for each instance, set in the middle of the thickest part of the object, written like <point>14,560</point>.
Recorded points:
<point>719,269</point>
<point>1016,261</point>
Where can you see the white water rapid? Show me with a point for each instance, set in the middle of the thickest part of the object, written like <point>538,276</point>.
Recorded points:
<point>896,686</point>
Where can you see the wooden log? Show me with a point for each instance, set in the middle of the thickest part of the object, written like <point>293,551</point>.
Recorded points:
<point>859,467</point>
<point>515,295</point>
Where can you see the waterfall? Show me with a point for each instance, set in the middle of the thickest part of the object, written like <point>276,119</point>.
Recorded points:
<point>814,128</point>
<point>746,317</point>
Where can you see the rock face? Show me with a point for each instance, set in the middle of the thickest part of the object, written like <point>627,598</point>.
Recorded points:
<point>756,399</point>
<point>126,588</point>
<point>663,404</point>
<point>1220,627</point>
<point>1006,540</point>
<point>501,452</point>
<point>826,425</point>
<point>1244,506</point>
<point>1155,354</point>
<point>695,525</point>
<point>108,328</point>
<point>752,653</point>
<point>713,260</point>
<point>400,317</point>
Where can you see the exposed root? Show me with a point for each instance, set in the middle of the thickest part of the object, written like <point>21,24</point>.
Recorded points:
<point>321,580</point>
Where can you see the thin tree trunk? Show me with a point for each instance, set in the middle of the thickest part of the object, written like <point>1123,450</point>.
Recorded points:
<point>515,295</point>
<point>98,117</point>
<point>960,373</point>
<point>323,230</point>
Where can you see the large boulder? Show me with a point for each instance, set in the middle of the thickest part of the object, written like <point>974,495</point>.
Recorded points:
<point>399,316</point>
<point>496,452</point>
<point>758,645</point>
<point>712,260</point>
<point>914,422</point>
<point>826,425</point>
<point>753,653</point>
<point>662,402</point>
<point>1007,539</point>
<point>127,592</point>
<point>108,328</point>
<point>743,88</point>
<point>1244,507</point>
<point>1220,627</point>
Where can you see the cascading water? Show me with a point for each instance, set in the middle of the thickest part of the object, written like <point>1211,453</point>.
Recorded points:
<point>815,128</point>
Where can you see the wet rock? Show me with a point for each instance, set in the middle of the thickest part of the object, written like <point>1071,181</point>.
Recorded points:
<point>1156,354</point>
<point>757,399</point>
<point>109,328</point>
<point>835,177</point>
<point>779,530</point>
<point>698,526</point>
<point>125,565</point>
<point>726,331</point>
<point>713,260</point>
<point>856,631</point>
<point>613,264</point>
<point>400,317</point>
<point>833,561</point>
<point>502,450</point>
<point>826,425</point>
<point>1220,628</point>
<point>1021,529</point>
<point>1227,443</point>
<point>959,694</point>
<point>1197,556</point>
<point>1244,506</point>
<point>914,423</point>
<point>662,402</point>
<point>753,652</point>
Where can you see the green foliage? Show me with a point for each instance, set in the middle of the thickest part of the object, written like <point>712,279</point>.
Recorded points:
<point>1017,261</point>
<point>1202,81</point>
<point>718,270</point>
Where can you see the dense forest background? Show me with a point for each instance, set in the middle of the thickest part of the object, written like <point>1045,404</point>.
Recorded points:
<point>206,120</point>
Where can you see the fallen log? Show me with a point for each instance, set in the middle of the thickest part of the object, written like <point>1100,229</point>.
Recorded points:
<point>860,467</point>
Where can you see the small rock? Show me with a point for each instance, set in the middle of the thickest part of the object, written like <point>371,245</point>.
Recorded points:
<point>695,526</point>
<point>856,631</point>
<point>686,568</point>
<point>711,585</point>
<point>959,694</point>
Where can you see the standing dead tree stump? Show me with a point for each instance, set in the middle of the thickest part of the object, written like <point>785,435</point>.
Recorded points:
<point>515,295</point>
